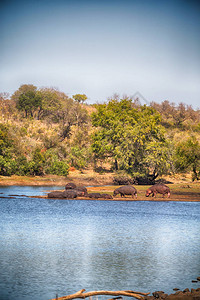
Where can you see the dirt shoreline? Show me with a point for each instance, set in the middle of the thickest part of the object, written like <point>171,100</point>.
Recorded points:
<point>181,190</point>
<point>86,179</point>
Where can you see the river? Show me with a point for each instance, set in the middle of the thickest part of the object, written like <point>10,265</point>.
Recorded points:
<point>50,247</point>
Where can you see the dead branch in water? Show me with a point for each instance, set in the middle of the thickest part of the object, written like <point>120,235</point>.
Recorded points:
<point>81,294</point>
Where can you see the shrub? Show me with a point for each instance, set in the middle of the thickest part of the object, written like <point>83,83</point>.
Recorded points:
<point>7,166</point>
<point>123,180</point>
<point>79,157</point>
<point>22,166</point>
<point>58,168</point>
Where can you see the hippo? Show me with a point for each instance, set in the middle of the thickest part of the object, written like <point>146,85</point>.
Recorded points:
<point>94,195</point>
<point>106,196</point>
<point>158,188</point>
<point>70,186</point>
<point>79,193</point>
<point>69,194</point>
<point>55,194</point>
<point>126,190</point>
<point>81,189</point>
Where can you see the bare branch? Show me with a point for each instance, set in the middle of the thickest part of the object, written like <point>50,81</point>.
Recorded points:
<point>81,294</point>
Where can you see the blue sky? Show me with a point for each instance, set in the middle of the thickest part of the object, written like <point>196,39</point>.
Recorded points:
<point>103,47</point>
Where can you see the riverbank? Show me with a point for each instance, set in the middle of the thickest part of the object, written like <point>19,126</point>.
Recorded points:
<point>186,294</point>
<point>182,189</point>
<point>86,179</point>
<point>179,192</point>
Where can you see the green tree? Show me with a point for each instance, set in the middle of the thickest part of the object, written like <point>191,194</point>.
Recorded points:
<point>5,141</point>
<point>27,99</point>
<point>7,152</point>
<point>54,165</point>
<point>79,157</point>
<point>131,137</point>
<point>24,88</point>
<point>80,98</point>
<point>29,102</point>
<point>36,164</point>
<point>188,157</point>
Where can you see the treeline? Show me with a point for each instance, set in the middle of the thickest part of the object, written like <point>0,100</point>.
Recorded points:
<point>43,131</point>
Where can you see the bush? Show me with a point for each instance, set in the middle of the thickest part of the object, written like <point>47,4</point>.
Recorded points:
<point>22,166</point>
<point>7,166</point>
<point>55,165</point>
<point>58,168</point>
<point>79,157</point>
<point>123,180</point>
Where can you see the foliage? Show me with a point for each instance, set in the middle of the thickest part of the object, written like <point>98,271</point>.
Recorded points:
<point>80,98</point>
<point>79,157</point>
<point>6,166</point>
<point>6,142</point>
<point>181,116</point>
<point>34,162</point>
<point>188,157</point>
<point>24,88</point>
<point>53,165</point>
<point>133,138</point>
<point>57,131</point>
<point>123,180</point>
<point>58,108</point>
<point>50,103</point>
<point>27,99</point>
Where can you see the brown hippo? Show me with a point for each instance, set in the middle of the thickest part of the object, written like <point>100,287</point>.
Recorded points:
<point>158,188</point>
<point>106,196</point>
<point>70,186</point>
<point>55,194</point>
<point>81,189</point>
<point>69,194</point>
<point>79,193</point>
<point>126,190</point>
<point>94,195</point>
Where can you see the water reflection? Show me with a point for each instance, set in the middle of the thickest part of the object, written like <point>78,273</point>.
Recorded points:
<point>61,246</point>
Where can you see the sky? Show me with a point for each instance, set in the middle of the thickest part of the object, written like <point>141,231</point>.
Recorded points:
<point>101,48</point>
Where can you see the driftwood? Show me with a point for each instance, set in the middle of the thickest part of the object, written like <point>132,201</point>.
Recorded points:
<point>81,294</point>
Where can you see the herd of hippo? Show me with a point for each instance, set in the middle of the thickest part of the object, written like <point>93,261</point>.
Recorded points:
<point>72,191</point>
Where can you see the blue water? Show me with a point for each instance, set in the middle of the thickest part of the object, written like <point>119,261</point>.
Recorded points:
<point>50,247</point>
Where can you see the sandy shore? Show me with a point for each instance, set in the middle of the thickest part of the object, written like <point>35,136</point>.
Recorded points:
<point>181,190</point>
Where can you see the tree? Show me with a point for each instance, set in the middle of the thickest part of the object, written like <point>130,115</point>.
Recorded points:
<point>58,108</point>
<point>80,98</point>
<point>29,102</point>
<point>182,116</point>
<point>132,138</point>
<point>7,152</point>
<point>6,141</point>
<point>188,157</point>
<point>22,90</point>
<point>50,103</point>
<point>27,99</point>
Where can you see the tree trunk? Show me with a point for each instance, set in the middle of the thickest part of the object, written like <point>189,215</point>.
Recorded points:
<point>116,165</point>
<point>195,174</point>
